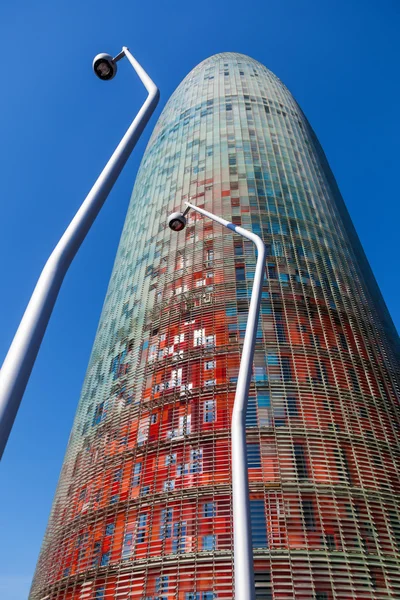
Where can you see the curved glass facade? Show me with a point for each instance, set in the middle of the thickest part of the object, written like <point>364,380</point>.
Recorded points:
<point>143,507</point>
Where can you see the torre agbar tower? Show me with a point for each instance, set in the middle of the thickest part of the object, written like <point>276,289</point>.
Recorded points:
<point>143,509</point>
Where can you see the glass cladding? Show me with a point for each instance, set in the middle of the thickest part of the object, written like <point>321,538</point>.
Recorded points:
<point>143,507</point>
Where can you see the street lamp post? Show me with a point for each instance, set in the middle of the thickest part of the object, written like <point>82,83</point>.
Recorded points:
<point>243,550</point>
<point>18,364</point>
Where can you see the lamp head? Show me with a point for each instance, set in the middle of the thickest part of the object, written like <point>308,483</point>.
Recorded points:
<point>177,221</point>
<point>104,66</point>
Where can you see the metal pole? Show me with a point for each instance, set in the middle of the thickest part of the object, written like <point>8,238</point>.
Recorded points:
<point>18,364</point>
<point>243,549</point>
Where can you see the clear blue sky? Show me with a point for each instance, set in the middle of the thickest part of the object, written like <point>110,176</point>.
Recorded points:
<point>59,124</point>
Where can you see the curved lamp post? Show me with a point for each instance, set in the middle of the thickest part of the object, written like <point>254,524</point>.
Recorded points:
<point>243,549</point>
<point>18,364</point>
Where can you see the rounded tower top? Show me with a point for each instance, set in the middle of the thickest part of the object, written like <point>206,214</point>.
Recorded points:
<point>232,59</point>
<point>238,56</point>
<point>220,76</point>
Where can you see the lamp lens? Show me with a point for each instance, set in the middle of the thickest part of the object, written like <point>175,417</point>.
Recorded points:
<point>104,69</point>
<point>177,225</point>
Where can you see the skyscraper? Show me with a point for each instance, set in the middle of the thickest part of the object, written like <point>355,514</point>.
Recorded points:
<point>143,507</point>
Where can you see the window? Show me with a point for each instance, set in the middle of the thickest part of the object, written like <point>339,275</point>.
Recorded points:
<point>266,308</point>
<point>143,430</point>
<point>209,411</point>
<point>115,363</point>
<point>199,337</point>
<point>210,382</point>
<point>166,523</point>
<point>82,539</point>
<point>260,374</point>
<point>342,464</point>
<point>231,310</point>
<point>127,547</point>
<point>262,580</point>
<point>300,461</point>
<point>209,542</point>
<point>99,414</point>
<point>99,593</point>
<point>278,250</point>
<point>209,510</point>
<point>291,406</point>
<point>286,368</point>
<point>170,459</point>
<point>253,456</point>
<point>343,341</point>
<point>210,341</point>
<point>315,340</point>
<point>308,513</point>
<point>280,328</point>
<point>279,412</point>
<point>136,474</point>
<point>176,378</point>
<point>96,552</point>
<point>263,402</point>
<point>354,380</point>
<point>196,461</point>
<point>141,533</point>
<point>240,274</point>
<point>110,528</point>
<point>169,486</point>
<point>162,583</point>
<point>321,371</point>
<point>184,426</point>
<point>395,523</point>
<point>330,541</point>
<point>258,524</point>
<point>209,364</point>
<point>251,413</point>
<point>152,352</point>
<point>272,359</point>
<point>238,248</point>
<point>154,418</point>
<point>179,539</point>
<point>105,559</point>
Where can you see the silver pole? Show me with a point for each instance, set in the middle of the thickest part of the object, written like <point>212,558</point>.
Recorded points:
<point>18,364</point>
<point>243,549</point>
